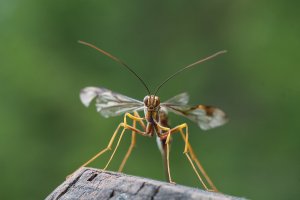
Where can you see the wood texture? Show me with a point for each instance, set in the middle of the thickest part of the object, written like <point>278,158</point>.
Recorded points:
<point>89,183</point>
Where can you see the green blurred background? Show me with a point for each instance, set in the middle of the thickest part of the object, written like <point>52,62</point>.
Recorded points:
<point>46,132</point>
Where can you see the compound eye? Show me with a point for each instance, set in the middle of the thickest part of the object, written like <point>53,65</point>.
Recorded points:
<point>157,101</point>
<point>146,100</point>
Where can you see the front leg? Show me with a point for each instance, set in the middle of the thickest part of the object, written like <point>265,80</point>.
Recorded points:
<point>133,141</point>
<point>123,125</point>
<point>103,150</point>
<point>126,126</point>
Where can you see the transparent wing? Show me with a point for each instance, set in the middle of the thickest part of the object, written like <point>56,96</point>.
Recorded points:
<point>180,99</point>
<point>109,103</point>
<point>206,117</point>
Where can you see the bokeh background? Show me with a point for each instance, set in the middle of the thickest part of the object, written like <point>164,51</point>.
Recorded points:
<point>46,132</point>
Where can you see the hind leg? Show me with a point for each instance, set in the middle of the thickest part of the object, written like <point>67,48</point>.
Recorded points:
<point>188,151</point>
<point>192,157</point>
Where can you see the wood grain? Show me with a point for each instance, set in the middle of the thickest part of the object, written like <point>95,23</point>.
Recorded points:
<point>89,183</point>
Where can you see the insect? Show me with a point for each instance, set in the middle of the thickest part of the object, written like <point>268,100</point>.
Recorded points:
<point>155,120</point>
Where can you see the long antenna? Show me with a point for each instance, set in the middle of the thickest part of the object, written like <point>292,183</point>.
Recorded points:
<point>189,66</point>
<point>117,60</point>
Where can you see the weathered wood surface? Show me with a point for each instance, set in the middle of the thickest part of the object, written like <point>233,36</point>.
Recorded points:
<point>89,183</point>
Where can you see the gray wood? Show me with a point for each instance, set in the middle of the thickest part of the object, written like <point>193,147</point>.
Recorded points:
<point>89,183</point>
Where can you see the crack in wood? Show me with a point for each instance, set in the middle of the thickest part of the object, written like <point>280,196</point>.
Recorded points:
<point>70,185</point>
<point>92,177</point>
<point>112,194</point>
<point>143,184</point>
<point>156,192</point>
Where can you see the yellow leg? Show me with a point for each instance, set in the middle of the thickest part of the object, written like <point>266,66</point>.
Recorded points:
<point>133,139</point>
<point>168,158</point>
<point>136,114</point>
<point>135,118</point>
<point>132,144</point>
<point>188,151</point>
<point>125,126</point>
<point>118,143</point>
<point>185,138</point>
<point>168,139</point>
<point>194,158</point>
<point>102,151</point>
